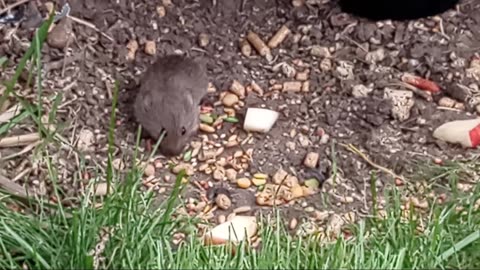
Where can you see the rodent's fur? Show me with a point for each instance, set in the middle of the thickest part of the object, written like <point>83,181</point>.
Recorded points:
<point>168,99</point>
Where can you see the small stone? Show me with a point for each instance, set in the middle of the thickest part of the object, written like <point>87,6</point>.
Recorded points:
<point>223,201</point>
<point>118,164</point>
<point>161,11</point>
<point>61,34</point>
<point>203,40</point>
<point>311,160</point>
<point>361,90</point>
<point>150,47</point>
<point>86,139</point>
<point>231,174</point>
<point>244,183</point>
<point>230,99</point>
<point>238,89</point>
<point>447,102</point>
<point>132,47</point>
<point>402,101</point>
<point>206,128</point>
<point>320,51</point>
<point>279,176</point>
<point>325,65</point>
<point>149,170</point>
<point>375,56</point>
<point>187,167</point>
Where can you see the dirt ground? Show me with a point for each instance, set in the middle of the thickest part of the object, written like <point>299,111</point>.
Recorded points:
<point>347,63</point>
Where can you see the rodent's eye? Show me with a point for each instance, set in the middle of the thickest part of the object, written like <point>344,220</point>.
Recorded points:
<point>184,131</point>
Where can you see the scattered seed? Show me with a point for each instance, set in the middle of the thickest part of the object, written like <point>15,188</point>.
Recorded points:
<point>206,118</point>
<point>306,86</point>
<point>231,174</point>
<point>260,176</point>
<point>183,166</point>
<point>259,182</point>
<point>312,183</point>
<point>297,191</point>
<point>258,44</point>
<point>245,48</point>
<point>150,47</point>
<point>203,40</point>
<point>231,119</point>
<point>292,86</point>
<point>218,174</point>
<point>242,209</point>
<point>293,224</point>
<point>279,37</point>
<point>230,99</point>
<point>238,89</point>
<point>149,170</point>
<point>207,128</point>
<point>244,183</point>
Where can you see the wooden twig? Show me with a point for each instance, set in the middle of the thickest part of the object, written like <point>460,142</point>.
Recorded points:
<point>28,148</point>
<point>10,113</point>
<point>354,150</point>
<point>12,187</point>
<point>12,6</point>
<point>90,25</point>
<point>20,140</point>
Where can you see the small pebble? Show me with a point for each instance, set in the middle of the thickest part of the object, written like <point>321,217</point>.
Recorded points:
<point>311,160</point>
<point>231,174</point>
<point>223,201</point>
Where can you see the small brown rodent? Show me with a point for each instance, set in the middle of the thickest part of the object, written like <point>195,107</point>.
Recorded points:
<point>168,99</point>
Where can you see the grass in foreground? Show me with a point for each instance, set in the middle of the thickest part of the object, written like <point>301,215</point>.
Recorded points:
<point>140,235</point>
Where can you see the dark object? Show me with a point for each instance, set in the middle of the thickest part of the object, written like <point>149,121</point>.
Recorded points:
<point>168,99</point>
<point>213,192</point>
<point>399,10</point>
